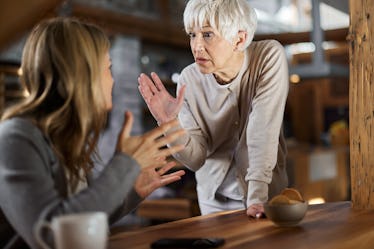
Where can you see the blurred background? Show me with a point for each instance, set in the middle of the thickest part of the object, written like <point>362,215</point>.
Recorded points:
<point>148,35</point>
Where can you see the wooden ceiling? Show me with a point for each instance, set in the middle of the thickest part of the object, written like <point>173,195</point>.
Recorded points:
<point>18,16</point>
<point>168,32</point>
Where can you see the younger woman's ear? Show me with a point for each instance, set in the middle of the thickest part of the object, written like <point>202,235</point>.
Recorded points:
<point>240,40</point>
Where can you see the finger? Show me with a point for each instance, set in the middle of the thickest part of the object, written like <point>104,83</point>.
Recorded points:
<point>258,215</point>
<point>144,80</point>
<point>180,99</point>
<point>127,126</point>
<point>169,179</point>
<point>180,96</point>
<point>164,140</point>
<point>146,93</point>
<point>162,129</point>
<point>166,168</point>
<point>177,173</point>
<point>251,213</point>
<point>160,86</point>
<point>169,124</point>
<point>155,164</point>
<point>255,211</point>
<point>259,207</point>
<point>171,150</point>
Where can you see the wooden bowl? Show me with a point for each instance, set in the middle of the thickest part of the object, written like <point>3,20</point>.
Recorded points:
<point>286,215</point>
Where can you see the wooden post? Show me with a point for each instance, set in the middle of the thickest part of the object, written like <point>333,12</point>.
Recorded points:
<point>361,51</point>
<point>2,93</point>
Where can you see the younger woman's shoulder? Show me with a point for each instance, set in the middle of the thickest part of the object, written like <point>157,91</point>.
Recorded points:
<point>19,126</point>
<point>17,133</point>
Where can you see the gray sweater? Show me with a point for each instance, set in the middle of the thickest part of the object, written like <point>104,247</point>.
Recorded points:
<point>33,184</point>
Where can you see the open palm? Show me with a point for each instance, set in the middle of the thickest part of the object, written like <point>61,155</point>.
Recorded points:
<point>163,106</point>
<point>151,178</point>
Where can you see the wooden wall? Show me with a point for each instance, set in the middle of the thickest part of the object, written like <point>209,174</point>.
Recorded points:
<point>362,102</point>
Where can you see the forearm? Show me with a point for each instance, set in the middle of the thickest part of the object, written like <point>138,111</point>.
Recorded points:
<point>257,192</point>
<point>265,124</point>
<point>36,190</point>
<point>263,150</point>
<point>109,190</point>
<point>130,203</point>
<point>194,154</point>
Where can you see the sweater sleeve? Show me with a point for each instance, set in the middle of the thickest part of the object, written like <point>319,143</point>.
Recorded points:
<point>195,141</point>
<point>29,192</point>
<point>265,120</point>
<point>195,152</point>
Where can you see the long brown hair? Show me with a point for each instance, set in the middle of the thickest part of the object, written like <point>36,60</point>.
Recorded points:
<point>61,68</point>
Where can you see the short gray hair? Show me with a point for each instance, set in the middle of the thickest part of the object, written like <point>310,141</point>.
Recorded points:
<point>227,16</point>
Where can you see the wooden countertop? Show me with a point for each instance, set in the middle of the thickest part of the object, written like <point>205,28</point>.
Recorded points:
<point>329,225</point>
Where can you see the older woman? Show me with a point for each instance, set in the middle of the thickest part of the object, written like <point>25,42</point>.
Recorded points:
<point>231,101</point>
<point>48,140</point>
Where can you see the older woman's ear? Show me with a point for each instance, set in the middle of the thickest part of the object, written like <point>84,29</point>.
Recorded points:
<point>240,40</point>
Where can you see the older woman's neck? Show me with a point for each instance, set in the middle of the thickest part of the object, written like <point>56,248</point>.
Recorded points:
<point>227,74</point>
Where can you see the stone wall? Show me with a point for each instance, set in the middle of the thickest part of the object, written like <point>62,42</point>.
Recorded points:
<point>125,53</point>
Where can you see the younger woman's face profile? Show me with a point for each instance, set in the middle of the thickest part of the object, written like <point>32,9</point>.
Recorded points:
<point>107,81</point>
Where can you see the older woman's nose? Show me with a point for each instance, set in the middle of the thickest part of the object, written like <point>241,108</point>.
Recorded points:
<point>197,45</point>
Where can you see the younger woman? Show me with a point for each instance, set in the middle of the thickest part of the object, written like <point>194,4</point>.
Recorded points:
<point>47,142</point>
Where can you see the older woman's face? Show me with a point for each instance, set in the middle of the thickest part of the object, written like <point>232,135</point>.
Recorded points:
<point>107,81</point>
<point>211,51</point>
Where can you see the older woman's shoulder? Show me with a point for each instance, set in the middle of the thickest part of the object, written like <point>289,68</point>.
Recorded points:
<point>266,45</point>
<point>191,69</point>
<point>266,48</point>
<point>191,74</point>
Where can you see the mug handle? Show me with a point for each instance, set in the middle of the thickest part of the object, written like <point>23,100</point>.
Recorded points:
<point>37,233</point>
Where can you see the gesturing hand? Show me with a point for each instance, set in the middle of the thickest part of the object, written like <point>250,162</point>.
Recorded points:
<point>255,210</point>
<point>149,149</point>
<point>150,179</point>
<point>161,104</point>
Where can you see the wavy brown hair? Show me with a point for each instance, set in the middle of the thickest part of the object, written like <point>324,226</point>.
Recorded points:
<point>61,64</point>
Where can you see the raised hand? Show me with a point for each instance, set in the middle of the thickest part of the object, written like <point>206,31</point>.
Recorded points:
<point>151,178</point>
<point>149,149</point>
<point>163,106</point>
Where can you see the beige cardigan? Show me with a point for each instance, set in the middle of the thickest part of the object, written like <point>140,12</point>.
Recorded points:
<point>238,126</point>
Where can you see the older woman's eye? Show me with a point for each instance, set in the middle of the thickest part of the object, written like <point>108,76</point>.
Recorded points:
<point>208,35</point>
<point>191,35</point>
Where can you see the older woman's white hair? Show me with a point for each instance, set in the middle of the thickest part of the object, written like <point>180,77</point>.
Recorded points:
<point>227,16</point>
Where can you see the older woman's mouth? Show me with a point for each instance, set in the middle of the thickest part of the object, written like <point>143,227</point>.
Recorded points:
<point>200,60</point>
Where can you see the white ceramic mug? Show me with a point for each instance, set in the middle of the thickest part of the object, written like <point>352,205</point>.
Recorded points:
<point>78,231</point>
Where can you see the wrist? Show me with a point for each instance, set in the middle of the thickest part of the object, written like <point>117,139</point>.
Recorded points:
<point>161,122</point>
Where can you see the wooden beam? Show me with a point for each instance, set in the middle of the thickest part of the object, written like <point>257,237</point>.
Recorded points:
<point>337,35</point>
<point>361,113</point>
<point>147,29</point>
<point>19,16</point>
<point>164,31</point>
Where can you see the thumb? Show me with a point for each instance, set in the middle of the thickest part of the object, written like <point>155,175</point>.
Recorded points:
<point>180,97</point>
<point>127,124</point>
